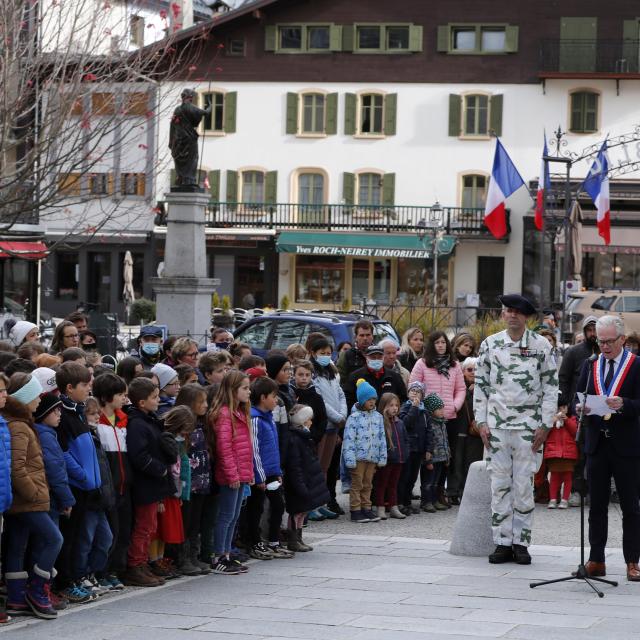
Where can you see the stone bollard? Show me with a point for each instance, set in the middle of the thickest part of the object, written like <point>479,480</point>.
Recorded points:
<point>472,531</point>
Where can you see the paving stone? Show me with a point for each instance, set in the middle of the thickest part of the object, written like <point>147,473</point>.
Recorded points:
<point>306,615</point>
<point>542,619</point>
<point>264,628</point>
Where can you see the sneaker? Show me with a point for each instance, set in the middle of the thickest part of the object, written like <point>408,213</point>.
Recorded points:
<point>115,582</point>
<point>359,517</point>
<point>260,551</point>
<point>405,511</point>
<point>88,585</point>
<point>428,507</point>
<point>75,594</point>
<point>552,504</point>
<point>380,512</point>
<point>394,512</point>
<point>564,504</point>
<point>316,516</point>
<point>574,499</point>
<point>371,515</point>
<point>439,506</point>
<point>335,507</point>
<point>105,583</point>
<point>239,556</point>
<point>226,566</point>
<point>278,551</point>
<point>328,513</point>
<point>415,510</point>
<point>521,554</point>
<point>57,602</point>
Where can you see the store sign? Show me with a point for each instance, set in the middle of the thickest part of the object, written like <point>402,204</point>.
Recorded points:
<point>359,252</point>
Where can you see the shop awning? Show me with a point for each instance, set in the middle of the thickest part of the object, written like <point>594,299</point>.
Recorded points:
<point>23,250</point>
<point>367,245</point>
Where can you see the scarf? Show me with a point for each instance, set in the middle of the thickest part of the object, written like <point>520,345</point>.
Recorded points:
<point>441,364</point>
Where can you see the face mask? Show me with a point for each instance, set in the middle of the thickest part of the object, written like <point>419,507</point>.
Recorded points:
<point>179,438</point>
<point>375,365</point>
<point>323,361</point>
<point>150,348</point>
<point>222,345</point>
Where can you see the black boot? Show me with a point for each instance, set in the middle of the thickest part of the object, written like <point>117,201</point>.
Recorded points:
<point>502,554</point>
<point>521,554</point>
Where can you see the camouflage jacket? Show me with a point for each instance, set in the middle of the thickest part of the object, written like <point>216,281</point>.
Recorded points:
<point>516,382</point>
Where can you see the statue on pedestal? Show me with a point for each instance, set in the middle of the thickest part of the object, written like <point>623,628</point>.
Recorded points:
<point>183,141</point>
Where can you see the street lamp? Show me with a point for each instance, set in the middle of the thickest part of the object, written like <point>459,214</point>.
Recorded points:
<point>433,223</point>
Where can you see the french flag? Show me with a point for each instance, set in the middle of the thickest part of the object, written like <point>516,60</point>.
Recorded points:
<point>544,185</point>
<point>505,179</point>
<point>596,184</point>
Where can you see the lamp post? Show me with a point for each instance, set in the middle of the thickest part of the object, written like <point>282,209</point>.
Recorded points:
<point>434,223</point>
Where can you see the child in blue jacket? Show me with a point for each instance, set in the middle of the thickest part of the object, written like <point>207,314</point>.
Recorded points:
<point>364,448</point>
<point>268,473</point>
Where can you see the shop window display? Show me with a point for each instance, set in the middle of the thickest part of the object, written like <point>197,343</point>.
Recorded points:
<point>319,279</point>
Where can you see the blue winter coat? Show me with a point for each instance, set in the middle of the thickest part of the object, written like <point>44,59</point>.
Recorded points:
<point>399,452</point>
<point>60,494</point>
<point>77,445</point>
<point>440,451</point>
<point>199,462</point>
<point>266,449</point>
<point>416,421</point>
<point>364,438</point>
<point>6,496</point>
<point>166,403</point>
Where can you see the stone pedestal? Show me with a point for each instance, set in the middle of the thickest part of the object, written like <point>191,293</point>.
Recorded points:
<point>183,293</point>
<point>472,531</point>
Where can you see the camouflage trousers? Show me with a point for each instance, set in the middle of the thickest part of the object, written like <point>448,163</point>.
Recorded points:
<point>512,465</point>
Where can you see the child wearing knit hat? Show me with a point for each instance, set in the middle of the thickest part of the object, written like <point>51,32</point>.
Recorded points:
<point>439,457</point>
<point>364,447</point>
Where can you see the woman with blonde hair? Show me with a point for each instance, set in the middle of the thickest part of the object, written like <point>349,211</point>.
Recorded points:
<point>411,348</point>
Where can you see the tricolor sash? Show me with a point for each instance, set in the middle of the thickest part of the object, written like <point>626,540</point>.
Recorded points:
<point>619,376</point>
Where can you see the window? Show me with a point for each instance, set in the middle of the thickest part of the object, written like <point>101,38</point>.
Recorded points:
<point>313,113</point>
<point>215,120</point>
<point>132,184</point>
<point>368,37</point>
<point>103,104</point>
<point>476,115</point>
<point>69,184</point>
<point>370,189</point>
<point>311,189</point>
<point>383,38</point>
<point>412,280</point>
<point>319,279</point>
<point>136,104</point>
<point>235,47</point>
<point>632,304</point>
<point>290,38</point>
<point>67,275</point>
<point>474,191</point>
<point>287,332</point>
<point>584,112</point>
<point>253,187</point>
<point>257,334</point>
<point>397,38</point>
<point>98,184</point>
<point>136,31</point>
<point>477,39</point>
<point>318,38</point>
<point>303,38</point>
<point>371,112</point>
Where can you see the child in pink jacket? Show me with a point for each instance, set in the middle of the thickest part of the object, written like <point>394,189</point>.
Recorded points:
<point>229,421</point>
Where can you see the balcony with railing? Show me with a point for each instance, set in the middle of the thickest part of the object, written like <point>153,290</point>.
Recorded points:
<point>617,59</point>
<point>457,221</point>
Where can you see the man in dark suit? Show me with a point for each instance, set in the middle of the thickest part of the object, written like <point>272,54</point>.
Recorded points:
<point>612,446</point>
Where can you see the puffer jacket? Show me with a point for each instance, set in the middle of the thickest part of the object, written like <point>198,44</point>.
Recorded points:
<point>416,421</point>
<point>452,390</point>
<point>313,399</point>
<point>305,487</point>
<point>60,495</point>
<point>113,439</point>
<point>107,490</point>
<point>5,466</point>
<point>234,452</point>
<point>199,461</point>
<point>398,449</point>
<point>364,438</point>
<point>266,450</point>
<point>166,404</point>
<point>561,442</point>
<point>334,400</point>
<point>28,476</point>
<point>440,451</point>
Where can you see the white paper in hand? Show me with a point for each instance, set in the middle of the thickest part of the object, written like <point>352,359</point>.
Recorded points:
<point>597,405</point>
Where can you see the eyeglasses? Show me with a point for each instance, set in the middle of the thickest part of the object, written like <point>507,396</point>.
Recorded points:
<point>608,343</point>
<point>191,354</point>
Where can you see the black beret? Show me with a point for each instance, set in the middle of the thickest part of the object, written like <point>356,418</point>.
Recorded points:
<point>516,301</point>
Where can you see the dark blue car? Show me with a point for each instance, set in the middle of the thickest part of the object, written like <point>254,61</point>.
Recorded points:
<point>279,330</point>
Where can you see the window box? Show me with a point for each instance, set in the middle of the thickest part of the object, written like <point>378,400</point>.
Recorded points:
<point>477,39</point>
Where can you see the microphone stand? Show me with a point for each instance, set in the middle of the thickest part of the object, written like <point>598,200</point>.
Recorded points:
<point>581,573</point>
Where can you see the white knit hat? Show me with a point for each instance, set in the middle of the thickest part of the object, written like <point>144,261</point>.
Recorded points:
<point>47,379</point>
<point>19,331</point>
<point>301,416</point>
<point>165,374</point>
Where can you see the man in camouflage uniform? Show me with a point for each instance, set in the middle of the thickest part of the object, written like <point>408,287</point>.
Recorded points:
<point>514,400</point>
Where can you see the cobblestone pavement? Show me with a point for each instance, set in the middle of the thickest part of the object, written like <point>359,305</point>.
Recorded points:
<point>367,584</point>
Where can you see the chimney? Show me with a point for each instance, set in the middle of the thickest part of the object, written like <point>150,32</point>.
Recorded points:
<point>181,14</point>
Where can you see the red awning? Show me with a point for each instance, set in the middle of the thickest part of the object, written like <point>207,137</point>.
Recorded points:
<point>24,250</point>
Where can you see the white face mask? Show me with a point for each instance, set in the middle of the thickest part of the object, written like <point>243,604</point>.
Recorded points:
<point>375,365</point>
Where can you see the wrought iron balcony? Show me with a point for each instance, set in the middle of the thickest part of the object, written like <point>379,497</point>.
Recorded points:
<point>607,58</point>
<point>458,221</point>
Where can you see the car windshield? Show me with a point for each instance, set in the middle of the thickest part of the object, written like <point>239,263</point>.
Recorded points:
<point>603,303</point>
<point>382,330</point>
<point>574,301</point>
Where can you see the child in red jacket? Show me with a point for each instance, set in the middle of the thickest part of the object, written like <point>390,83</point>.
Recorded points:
<point>561,454</point>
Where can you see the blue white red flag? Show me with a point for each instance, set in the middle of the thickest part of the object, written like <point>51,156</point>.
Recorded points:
<point>505,179</point>
<point>544,185</point>
<point>596,184</point>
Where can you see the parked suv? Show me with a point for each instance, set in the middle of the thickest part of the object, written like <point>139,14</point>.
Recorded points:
<point>624,303</point>
<point>280,329</point>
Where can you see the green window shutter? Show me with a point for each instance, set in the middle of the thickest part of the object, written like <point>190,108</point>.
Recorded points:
<point>232,189</point>
<point>348,188</point>
<point>511,39</point>
<point>389,189</point>
<point>270,33</point>
<point>415,38</point>
<point>350,105</point>
<point>443,38</point>
<point>578,56</point>
<point>495,114</point>
<point>271,187</point>
<point>331,125</point>
<point>455,114</point>
<point>214,185</point>
<point>630,44</point>
<point>292,113</point>
<point>335,37</point>
<point>390,108</point>
<point>348,37</point>
<point>230,102</point>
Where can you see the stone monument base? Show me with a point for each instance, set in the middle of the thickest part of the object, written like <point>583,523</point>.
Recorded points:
<point>184,305</point>
<point>472,532</point>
